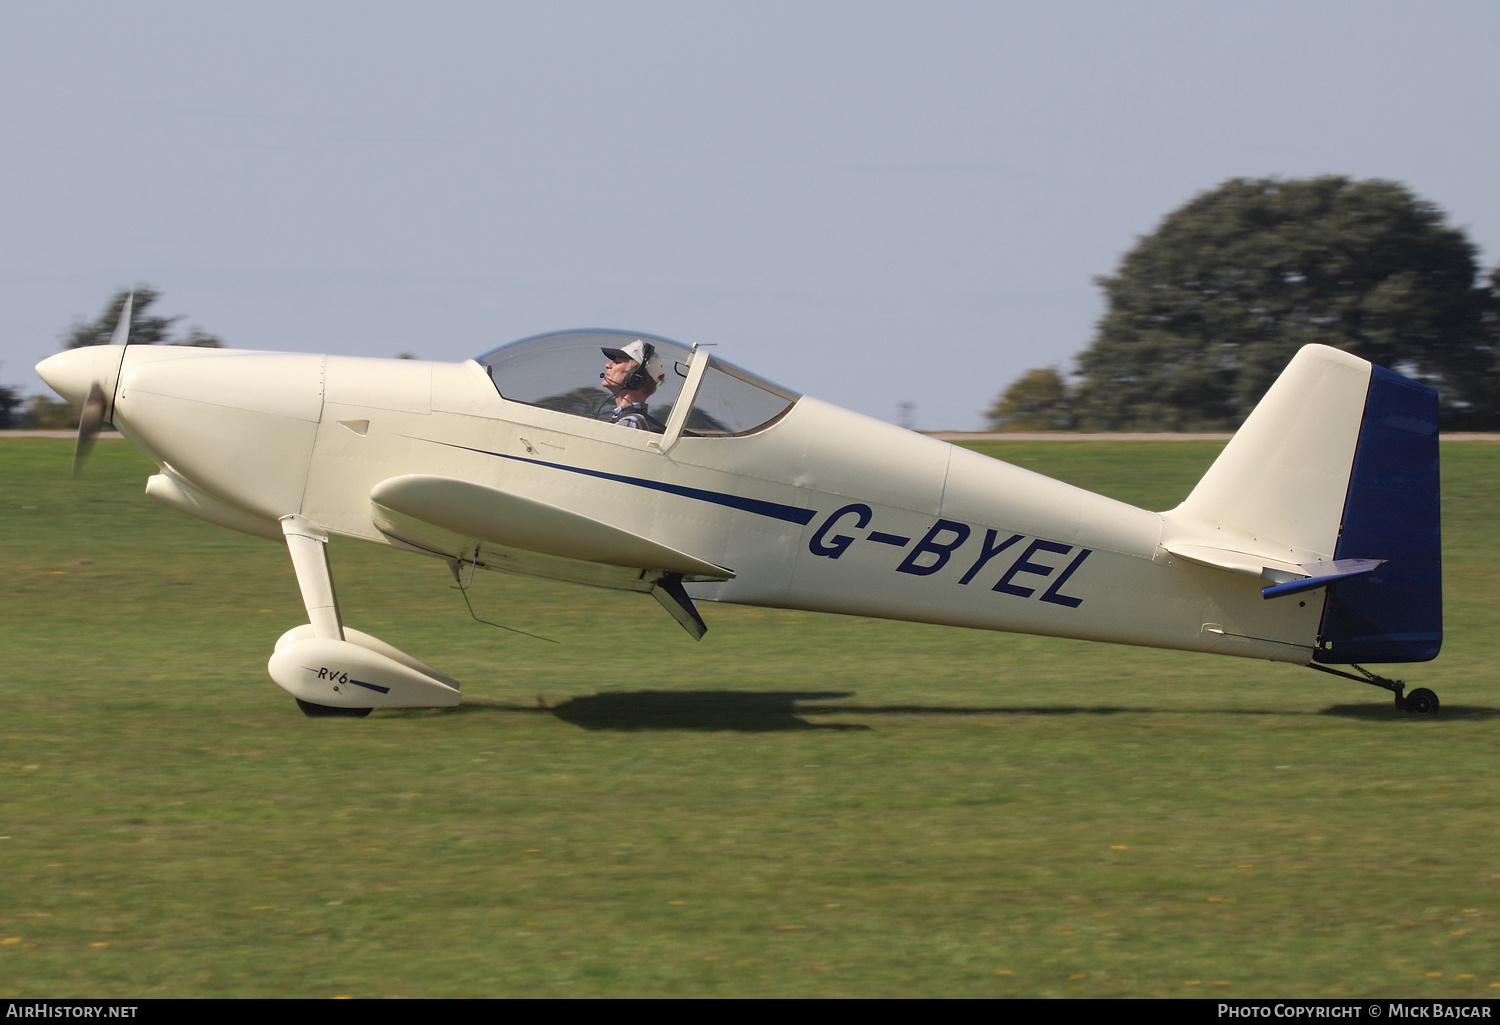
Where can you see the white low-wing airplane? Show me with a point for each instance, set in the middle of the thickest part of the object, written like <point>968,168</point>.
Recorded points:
<point>1313,539</point>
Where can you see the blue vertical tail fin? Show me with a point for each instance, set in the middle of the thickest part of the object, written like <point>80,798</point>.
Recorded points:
<point>1394,614</point>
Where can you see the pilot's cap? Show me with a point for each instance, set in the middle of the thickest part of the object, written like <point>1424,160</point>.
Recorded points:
<point>642,353</point>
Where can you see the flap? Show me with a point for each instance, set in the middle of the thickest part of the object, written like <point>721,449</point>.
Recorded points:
<point>516,521</point>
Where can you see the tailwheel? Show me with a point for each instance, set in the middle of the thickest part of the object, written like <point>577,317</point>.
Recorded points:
<point>1422,702</point>
<point>1419,702</point>
<point>313,711</point>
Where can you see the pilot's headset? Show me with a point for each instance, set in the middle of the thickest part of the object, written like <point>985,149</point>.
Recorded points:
<point>647,366</point>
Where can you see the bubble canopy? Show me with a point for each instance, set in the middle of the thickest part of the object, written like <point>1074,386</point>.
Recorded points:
<point>561,371</point>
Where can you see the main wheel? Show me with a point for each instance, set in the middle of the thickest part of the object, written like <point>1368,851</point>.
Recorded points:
<point>1422,701</point>
<point>313,711</point>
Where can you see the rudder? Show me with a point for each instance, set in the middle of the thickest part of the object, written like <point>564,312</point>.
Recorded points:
<point>1391,512</point>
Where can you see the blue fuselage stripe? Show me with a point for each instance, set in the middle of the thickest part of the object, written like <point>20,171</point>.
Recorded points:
<point>774,510</point>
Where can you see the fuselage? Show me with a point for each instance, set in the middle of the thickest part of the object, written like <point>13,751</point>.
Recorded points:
<point>823,509</point>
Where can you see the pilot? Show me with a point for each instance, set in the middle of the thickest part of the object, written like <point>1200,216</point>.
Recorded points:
<point>631,376</point>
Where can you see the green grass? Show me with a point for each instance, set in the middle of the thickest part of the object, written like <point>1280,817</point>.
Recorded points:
<point>799,805</point>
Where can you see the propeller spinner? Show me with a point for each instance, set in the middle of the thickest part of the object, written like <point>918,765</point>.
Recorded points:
<point>87,377</point>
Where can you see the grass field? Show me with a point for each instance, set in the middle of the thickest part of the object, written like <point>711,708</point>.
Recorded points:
<point>798,805</point>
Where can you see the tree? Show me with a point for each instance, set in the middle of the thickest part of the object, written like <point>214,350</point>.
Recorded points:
<point>1207,310</point>
<point>47,414</point>
<point>1037,402</point>
<point>144,328</point>
<point>1492,316</point>
<point>10,401</point>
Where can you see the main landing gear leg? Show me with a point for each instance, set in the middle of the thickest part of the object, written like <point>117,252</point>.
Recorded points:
<point>335,670</point>
<point>1420,701</point>
<point>309,549</point>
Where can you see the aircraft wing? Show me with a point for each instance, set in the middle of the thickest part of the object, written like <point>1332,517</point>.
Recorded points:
<point>526,535</point>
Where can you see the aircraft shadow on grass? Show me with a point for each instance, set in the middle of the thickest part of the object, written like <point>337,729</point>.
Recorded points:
<point>703,710</point>
<point>746,711</point>
<point>783,711</point>
<point>1380,712</point>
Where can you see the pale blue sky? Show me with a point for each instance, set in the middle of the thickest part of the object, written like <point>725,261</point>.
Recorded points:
<point>870,202</point>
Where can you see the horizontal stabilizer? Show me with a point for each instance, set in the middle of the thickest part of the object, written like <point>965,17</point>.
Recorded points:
<point>1321,574</point>
<point>487,514</point>
<point>1246,563</point>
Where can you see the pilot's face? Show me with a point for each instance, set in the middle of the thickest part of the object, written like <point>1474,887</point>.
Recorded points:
<point>615,372</point>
